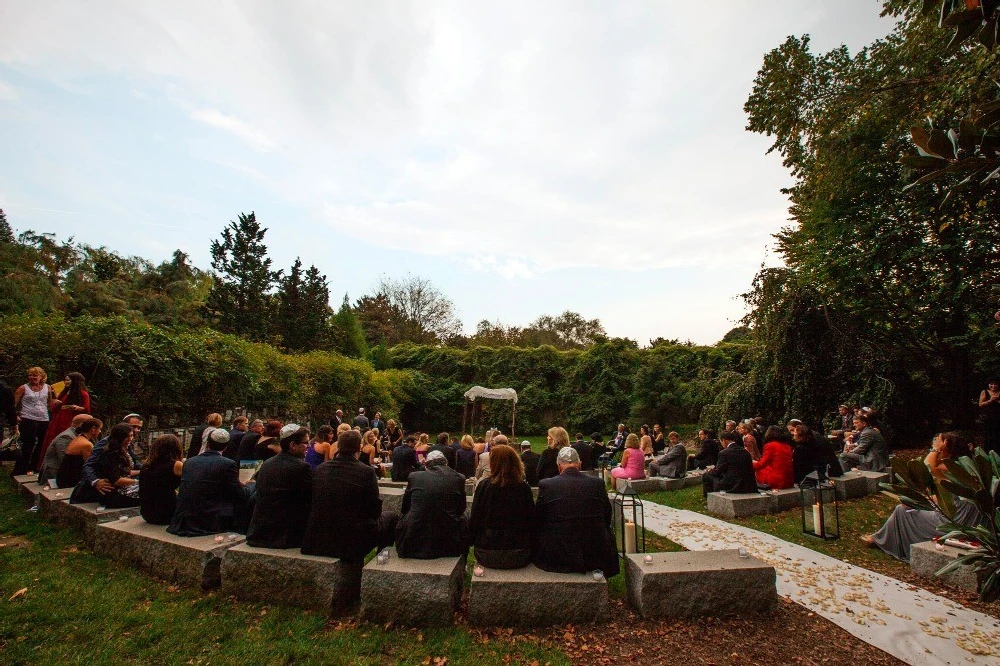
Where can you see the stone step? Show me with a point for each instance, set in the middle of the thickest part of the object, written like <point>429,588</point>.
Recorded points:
<point>84,518</point>
<point>530,597</point>
<point>851,485</point>
<point>286,576</point>
<point>22,479</point>
<point>412,592</point>
<point>927,558</point>
<point>703,583</point>
<point>192,561</point>
<point>49,495</point>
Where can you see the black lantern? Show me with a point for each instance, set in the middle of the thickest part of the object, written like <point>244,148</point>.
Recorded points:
<point>630,521</point>
<point>820,513</point>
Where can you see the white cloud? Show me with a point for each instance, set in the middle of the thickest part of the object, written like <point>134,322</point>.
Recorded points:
<point>7,93</point>
<point>216,118</point>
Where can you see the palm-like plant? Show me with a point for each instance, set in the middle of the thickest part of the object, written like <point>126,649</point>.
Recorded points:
<point>975,479</point>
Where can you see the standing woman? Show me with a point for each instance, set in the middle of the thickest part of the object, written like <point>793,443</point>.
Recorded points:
<point>557,439</point>
<point>72,400</point>
<point>32,403</point>
<point>989,406</point>
<point>393,434</point>
<point>659,445</point>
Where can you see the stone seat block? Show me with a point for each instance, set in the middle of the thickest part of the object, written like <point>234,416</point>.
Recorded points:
<point>192,561</point>
<point>22,479</point>
<point>740,505</point>
<point>392,498</point>
<point>850,485</point>
<point>926,559</point>
<point>647,485</point>
<point>47,496</point>
<point>389,483</point>
<point>412,592</point>
<point>530,597</point>
<point>786,499</point>
<point>699,583</point>
<point>874,479</point>
<point>286,576</point>
<point>29,492</point>
<point>84,518</point>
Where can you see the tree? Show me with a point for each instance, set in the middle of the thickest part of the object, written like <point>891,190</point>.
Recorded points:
<point>566,331</point>
<point>350,337</point>
<point>241,295</point>
<point>6,233</point>
<point>380,320</point>
<point>425,314</point>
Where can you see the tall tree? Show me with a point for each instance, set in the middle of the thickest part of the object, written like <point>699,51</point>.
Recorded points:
<point>350,337</point>
<point>242,293</point>
<point>303,308</point>
<point>6,233</point>
<point>425,314</point>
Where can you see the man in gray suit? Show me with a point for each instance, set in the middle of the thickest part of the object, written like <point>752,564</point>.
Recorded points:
<point>870,453</point>
<point>672,464</point>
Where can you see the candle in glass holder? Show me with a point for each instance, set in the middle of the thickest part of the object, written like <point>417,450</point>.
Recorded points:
<point>648,559</point>
<point>629,536</point>
<point>478,570</point>
<point>219,539</point>
<point>817,519</point>
<point>123,519</point>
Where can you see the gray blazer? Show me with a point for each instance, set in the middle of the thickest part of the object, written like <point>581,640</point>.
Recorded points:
<point>872,451</point>
<point>673,464</point>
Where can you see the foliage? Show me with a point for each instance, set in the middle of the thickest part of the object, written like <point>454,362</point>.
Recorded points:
<point>421,312</point>
<point>974,480</point>
<point>350,337</point>
<point>566,331</point>
<point>304,315</point>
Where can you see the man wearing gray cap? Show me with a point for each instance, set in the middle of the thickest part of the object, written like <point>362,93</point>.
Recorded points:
<point>433,523</point>
<point>573,518</point>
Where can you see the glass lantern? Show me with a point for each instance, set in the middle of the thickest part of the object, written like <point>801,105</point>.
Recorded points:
<point>630,521</point>
<point>820,512</point>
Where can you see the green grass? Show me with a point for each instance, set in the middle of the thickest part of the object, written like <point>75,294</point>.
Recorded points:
<point>80,608</point>
<point>857,518</point>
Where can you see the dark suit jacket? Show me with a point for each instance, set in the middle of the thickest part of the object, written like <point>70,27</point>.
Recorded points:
<point>433,523</point>
<point>815,451</point>
<point>404,461</point>
<point>547,467</point>
<point>232,450</point>
<point>573,525</point>
<point>586,452</point>
<point>708,454</point>
<point>734,470</point>
<point>362,422</point>
<point>530,460</point>
<point>84,491</point>
<point>209,495</point>
<point>345,510</point>
<point>194,446</point>
<point>447,451</point>
<point>284,495</point>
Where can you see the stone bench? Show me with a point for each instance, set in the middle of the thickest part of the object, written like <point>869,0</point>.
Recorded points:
<point>851,485</point>
<point>29,492</point>
<point>392,498</point>
<point>412,592</point>
<point>653,484</point>
<point>286,576</point>
<point>740,505</point>
<point>49,495</point>
<point>193,561</point>
<point>530,597</point>
<point>874,479</point>
<point>786,499</point>
<point>389,483</point>
<point>84,518</point>
<point>701,583</point>
<point>926,559</point>
<point>22,479</point>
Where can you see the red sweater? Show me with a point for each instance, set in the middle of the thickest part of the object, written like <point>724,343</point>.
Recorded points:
<point>775,467</point>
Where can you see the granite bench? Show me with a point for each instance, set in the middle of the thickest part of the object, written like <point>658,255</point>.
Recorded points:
<point>741,505</point>
<point>786,499</point>
<point>22,479</point>
<point>530,597</point>
<point>927,558</point>
<point>851,485</point>
<point>699,583</point>
<point>29,492</point>
<point>84,518</point>
<point>286,576</point>
<point>47,496</point>
<point>412,592</point>
<point>874,479</point>
<point>193,561</point>
<point>392,498</point>
<point>389,483</point>
<point>653,484</point>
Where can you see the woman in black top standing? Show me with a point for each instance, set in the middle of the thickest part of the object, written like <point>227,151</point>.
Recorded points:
<point>557,439</point>
<point>115,465</point>
<point>503,510</point>
<point>159,479</point>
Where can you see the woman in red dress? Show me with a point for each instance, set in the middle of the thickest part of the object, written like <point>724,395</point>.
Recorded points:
<point>775,467</point>
<point>72,400</point>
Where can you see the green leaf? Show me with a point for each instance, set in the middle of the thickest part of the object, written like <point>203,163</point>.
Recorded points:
<point>991,587</point>
<point>946,8</point>
<point>921,138</point>
<point>939,144</point>
<point>920,162</point>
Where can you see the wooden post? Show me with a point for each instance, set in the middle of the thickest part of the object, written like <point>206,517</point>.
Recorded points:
<point>513,412</point>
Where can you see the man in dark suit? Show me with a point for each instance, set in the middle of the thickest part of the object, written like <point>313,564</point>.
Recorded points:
<point>404,459</point>
<point>337,419</point>
<point>585,452</point>
<point>284,494</point>
<point>530,460</point>
<point>194,447</point>
<point>446,450</point>
<point>433,522</point>
<point>346,519</point>
<point>733,472</point>
<point>708,451</point>
<point>377,422</point>
<point>241,425</point>
<point>573,521</point>
<point>361,421</point>
<point>211,498</point>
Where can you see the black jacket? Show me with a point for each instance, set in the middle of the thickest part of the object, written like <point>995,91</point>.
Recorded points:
<point>734,470</point>
<point>586,452</point>
<point>345,510</point>
<point>547,467</point>
<point>361,421</point>
<point>404,461</point>
<point>433,523</point>
<point>530,460</point>
<point>502,518</point>
<point>194,446</point>
<point>815,451</point>
<point>209,495</point>
<point>247,445</point>
<point>284,495</point>
<point>573,525</point>
<point>708,454</point>
<point>447,451</point>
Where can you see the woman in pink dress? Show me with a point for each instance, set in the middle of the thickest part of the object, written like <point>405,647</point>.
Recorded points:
<point>633,465</point>
<point>72,400</point>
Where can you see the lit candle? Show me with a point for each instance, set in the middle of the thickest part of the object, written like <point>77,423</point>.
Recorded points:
<point>478,570</point>
<point>219,539</point>
<point>817,517</point>
<point>629,536</point>
<point>648,559</point>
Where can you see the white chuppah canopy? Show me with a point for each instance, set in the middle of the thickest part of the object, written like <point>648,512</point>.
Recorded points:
<point>490,394</point>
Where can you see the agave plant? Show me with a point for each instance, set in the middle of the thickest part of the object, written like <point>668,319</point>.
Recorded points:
<point>975,479</point>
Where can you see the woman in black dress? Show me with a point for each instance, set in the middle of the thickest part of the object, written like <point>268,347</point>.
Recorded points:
<point>466,458</point>
<point>268,445</point>
<point>71,468</point>
<point>159,479</point>
<point>989,407</point>
<point>557,439</point>
<point>115,465</point>
<point>503,510</point>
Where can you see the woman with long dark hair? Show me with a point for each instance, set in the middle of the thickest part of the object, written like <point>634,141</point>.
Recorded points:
<point>115,465</point>
<point>72,400</point>
<point>503,511</point>
<point>159,479</point>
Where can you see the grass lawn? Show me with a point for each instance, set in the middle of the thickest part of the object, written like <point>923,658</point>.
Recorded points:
<point>79,608</point>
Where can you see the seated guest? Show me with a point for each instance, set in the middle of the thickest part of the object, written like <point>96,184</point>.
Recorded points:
<point>633,464</point>
<point>158,480</point>
<point>211,498</point>
<point>708,451</point>
<point>503,512</point>
<point>268,445</point>
<point>433,522</point>
<point>672,464</point>
<point>646,446</point>
<point>249,440</point>
<point>573,521</point>
<point>318,448</point>
<point>585,451</point>
<point>445,448</point>
<point>483,470</point>
<point>422,447</point>
<point>465,457</point>
<point>617,443</point>
<point>57,450</point>
<point>659,444</point>
<point>811,452</point>
<point>332,451</point>
<point>346,518</point>
<point>70,470</point>
<point>775,468</point>
<point>745,430</point>
<point>115,465</point>
<point>198,438</point>
<point>369,450</point>
<point>283,493</point>
<point>547,466</point>
<point>241,425</point>
<point>733,472</point>
<point>92,485</point>
<point>946,446</point>
<point>597,448</point>
<point>870,453</point>
<point>530,461</point>
<point>404,459</point>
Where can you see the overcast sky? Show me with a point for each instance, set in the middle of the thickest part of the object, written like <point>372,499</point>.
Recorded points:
<point>526,157</point>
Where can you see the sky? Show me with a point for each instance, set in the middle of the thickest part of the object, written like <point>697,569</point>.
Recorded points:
<point>527,158</point>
